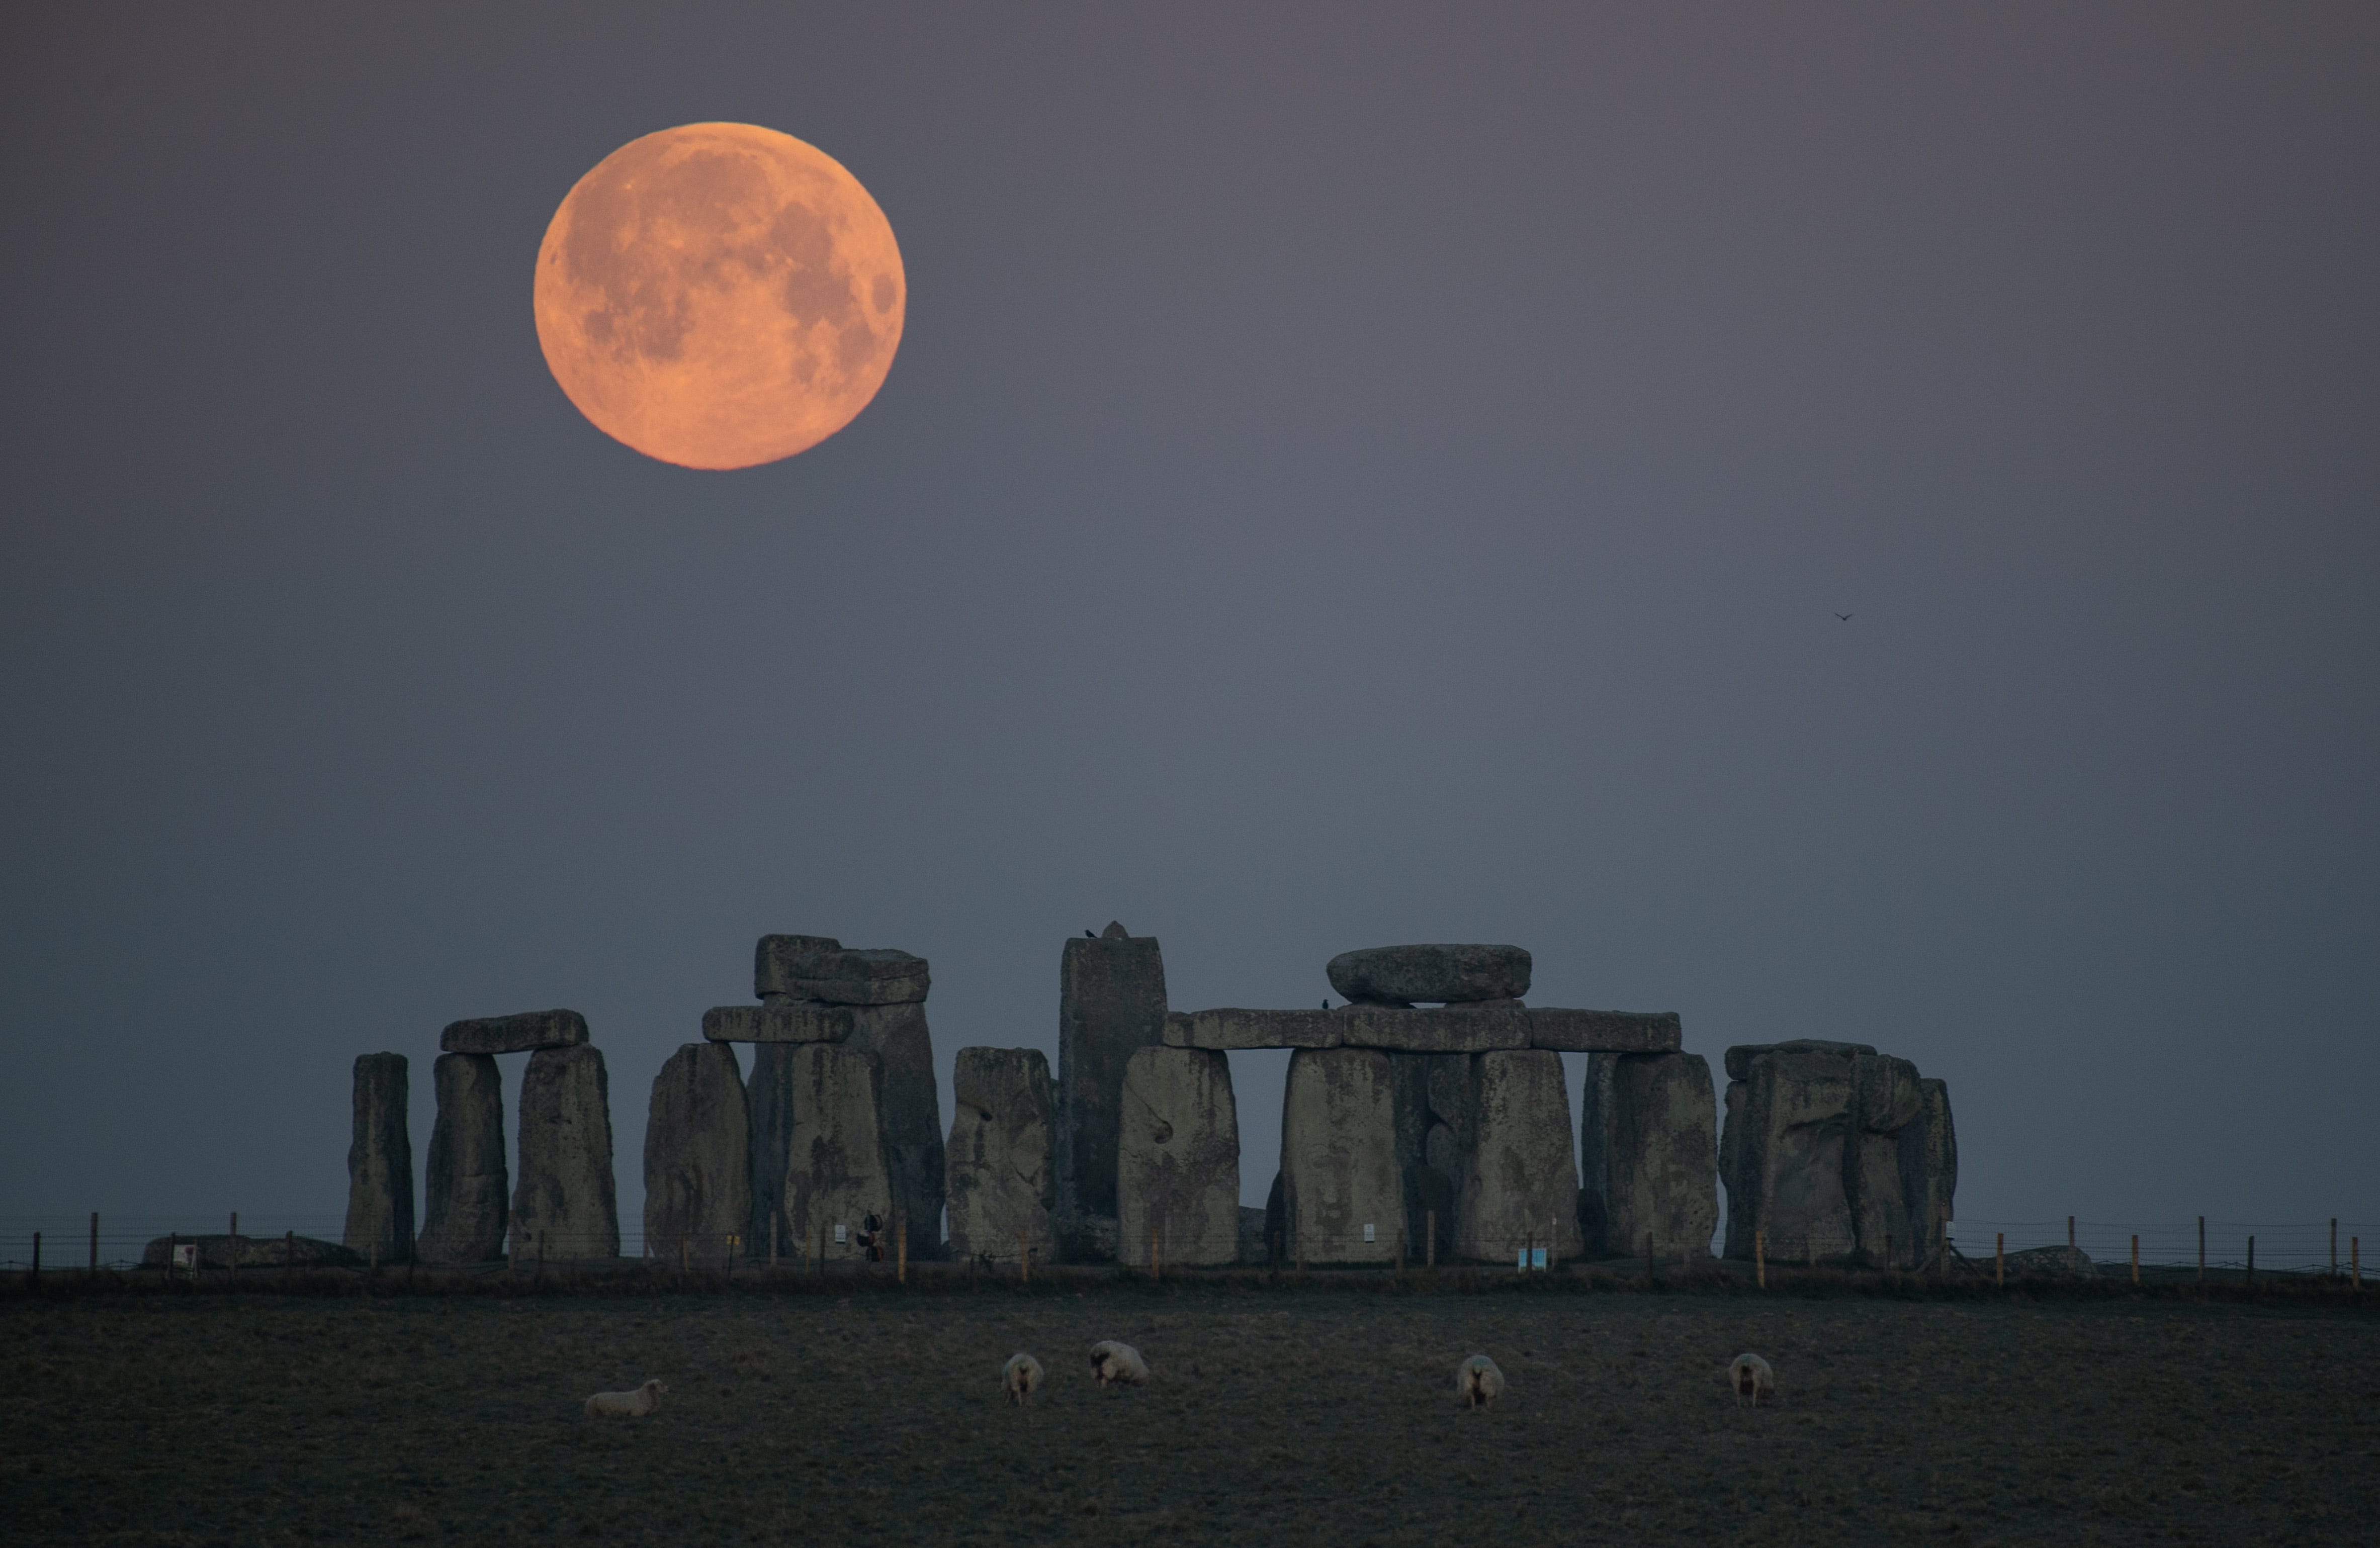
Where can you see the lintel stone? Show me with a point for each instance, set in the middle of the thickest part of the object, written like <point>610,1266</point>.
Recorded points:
<point>522,1033</point>
<point>778,1024</point>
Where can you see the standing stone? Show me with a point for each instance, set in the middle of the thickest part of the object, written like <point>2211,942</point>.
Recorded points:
<point>697,1165</point>
<point>1521,1186</point>
<point>818,1158</point>
<point>464,1212</point>
<point>1002,1157</point>
<point>1342,1165</point>
<point>1445,974</point>
<point>380,1162</point>
<point>1110,1004</point>
<point>1786,1148</point>
<point>1178,1158</point>
<point>1649,1144</point>
<point>911,1114</point>
<point>1929,1162</point>
<point>566,1201</point>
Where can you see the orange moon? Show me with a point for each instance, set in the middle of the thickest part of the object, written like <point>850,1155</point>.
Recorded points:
<point>719,296</point>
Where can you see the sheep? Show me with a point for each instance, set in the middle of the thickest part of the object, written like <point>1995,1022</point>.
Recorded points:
<point>1112,1362</point>
<point>1751,1377</point>
<point>1021,1378</point>
<point>1478,1382</point>
<point>636,1404</point>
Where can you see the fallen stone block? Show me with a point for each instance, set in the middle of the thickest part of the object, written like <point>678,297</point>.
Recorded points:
<point>254,1252</point>
<point>1178,1159</point>
<point>1002,1162</point>
<point>1111,1005</point>
<point>1648,1139</point>
<point>1520,1187</point>
<point>785,1022</point>
<point>698,1162</point>
<point>466,1183</point>
<point>819,1158</point>
<point>380,1162</point>
<point>522,1033</point>
<point>1448,975</point>
<point>823,969</point>
<point>566,1202</point>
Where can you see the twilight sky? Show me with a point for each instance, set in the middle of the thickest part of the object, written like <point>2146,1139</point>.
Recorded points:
<point>1352,475</point>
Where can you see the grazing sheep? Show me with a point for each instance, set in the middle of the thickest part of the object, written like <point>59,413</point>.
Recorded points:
<point>636,1404</point>
<point>1751,1377</point>
<point>1478,1382</point>
<point>1112,1362</point>
<point>1021,1378</point>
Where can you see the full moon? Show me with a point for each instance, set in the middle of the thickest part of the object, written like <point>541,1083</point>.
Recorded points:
<point>719,296</point>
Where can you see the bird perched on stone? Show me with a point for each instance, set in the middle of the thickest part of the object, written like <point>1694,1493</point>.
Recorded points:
<point>1090,935</point>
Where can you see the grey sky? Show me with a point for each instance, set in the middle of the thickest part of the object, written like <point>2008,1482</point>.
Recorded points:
<point>1351,476</point>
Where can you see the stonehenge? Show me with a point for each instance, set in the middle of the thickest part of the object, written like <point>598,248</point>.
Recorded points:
<point>1178,1160</point>
<point>1425,1119</point>
<point>1003,1158</point>
<point>379,1163</point>
<point>564,1204</point>
<point>1834,1154</point>
<point>698,1163</point>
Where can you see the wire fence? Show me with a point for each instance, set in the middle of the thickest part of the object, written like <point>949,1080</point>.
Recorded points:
<point>2226,1246</point>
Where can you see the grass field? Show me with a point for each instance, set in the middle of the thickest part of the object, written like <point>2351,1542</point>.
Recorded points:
<point>1310,1418</point>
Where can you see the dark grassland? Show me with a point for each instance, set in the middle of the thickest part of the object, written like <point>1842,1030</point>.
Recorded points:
<point>1311,1418</point>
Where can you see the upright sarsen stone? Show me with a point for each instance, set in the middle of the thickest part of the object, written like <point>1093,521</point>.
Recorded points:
<point>1786,1148</point>
<point>1649,1148</point>
<point>1520,1186</point>
<point>1341,1163</point>
<point>566,1203</point>
<point>1178,1158</point>
<point>466,1182</point>
<point>698,1162</point>
<point>818,1158</point>
<point>380,1162</point>
<point>911,1113</point>
<point>1110,1004</point>
<point>1003,1160</point>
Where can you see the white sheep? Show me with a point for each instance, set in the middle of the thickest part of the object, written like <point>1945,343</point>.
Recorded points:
<point>1021,1378</point>
<point>635,1405</point>
<point>1478,1382</point>
<point>1112,1362</point>
<point>1751,1377</point>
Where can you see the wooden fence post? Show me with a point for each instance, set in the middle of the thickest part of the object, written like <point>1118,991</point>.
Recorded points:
<point>1760,1259</point>
<point>1156,1269</point>
<point>2355,1263</point>
<point>685,1254</point>
<point>1887,1251</point>
<point>1429,1249</point>
<point>2252,1262</point>
<point>2334,1247</point>
<point>173,1246</point>
<point>2136,1257</point>
<point>541,1257</point>
<point>94,1244</point>
<point>1400,1251</point>
<point>772,1238</point>
<point>2070,1241</point>
<point>2202,1249</point>
<point>288,1254</point>
<point>1999,1259</point>
<point>1649,1280</point>
<point>231,1255</point>
<point>37,1259</point>
<point>901,1249</point>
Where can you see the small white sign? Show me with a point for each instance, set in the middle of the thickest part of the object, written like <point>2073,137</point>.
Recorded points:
<point>840,1238</point>
<point>186,1254</point>
<point>1368,1231</point>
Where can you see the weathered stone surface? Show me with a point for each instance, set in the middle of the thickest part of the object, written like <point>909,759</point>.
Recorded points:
<point>1448,1030</point>
<point>2049,1263</point>
<point>788,1020</point>
<point>1086,1239</point>
<point>1521,1186</point>
<point>565,1201</point>
<point>1233,1028</point>
<point>1591,1031</point>
<point>1740,1058</point>
<point>379,1161</point>
<point>1838,1154</point>
<point>910,1115</point>
<point>1003,1160</point>
<point>821,968</point>
<point>818,1158</point>
<point>1649,1147</point>
<point>1178,1158</point>
<point>522,1033</point>
<point>1445,1154</point>
<point>1407,974</point>
<point>698,1161</point>
<point>1276,1218</point>
<point>466,1184</point>
<point>1252,1235</point>
<point>256,1252</point>
<point>1343,1159</point>
<point>1110,1004</point>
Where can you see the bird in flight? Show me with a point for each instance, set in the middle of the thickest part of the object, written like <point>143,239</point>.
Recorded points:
<point>1844,616</point>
